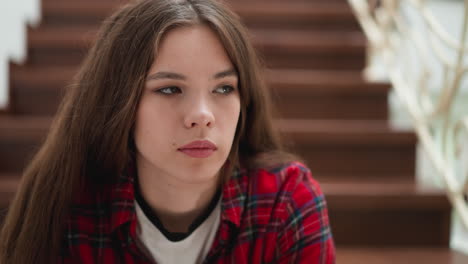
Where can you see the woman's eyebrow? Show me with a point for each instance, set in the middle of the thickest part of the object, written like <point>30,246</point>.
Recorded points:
<point>226,73</point>
<point>166,75</point>
<point>178,76</point>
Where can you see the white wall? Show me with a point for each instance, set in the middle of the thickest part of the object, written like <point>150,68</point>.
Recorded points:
<point>14,18</point>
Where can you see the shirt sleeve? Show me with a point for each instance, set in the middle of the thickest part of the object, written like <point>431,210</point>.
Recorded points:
<point>306,235</point>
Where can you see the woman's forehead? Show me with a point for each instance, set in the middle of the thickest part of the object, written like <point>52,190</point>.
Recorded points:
<point>195,48</point>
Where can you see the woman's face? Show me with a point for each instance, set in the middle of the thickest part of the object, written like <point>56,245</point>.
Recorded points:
<point>191,96</point>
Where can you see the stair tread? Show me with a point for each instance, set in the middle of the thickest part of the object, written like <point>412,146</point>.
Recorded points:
<point>373,194</point>
<point>305,41</point>
<point>20,128</point>
<point>324,81</point>
<point>297,41</point>
<point>348,126</point>
<point>336,132</point>
<point>51,37</point>
<point>400,255</point>
<point>375,188</point>
<point>346,207</point>
<point>80,8</point>
<point>11,122</point>
<point>307,132</point>
<point>313,9</point>
<point>310,9</point>
<point>383,194</point>
<point>375,128</point>
<point>297,80</point>
<point>41,74</point>
<point>300,93</point>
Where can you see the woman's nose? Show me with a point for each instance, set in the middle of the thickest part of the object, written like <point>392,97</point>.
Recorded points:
<point>199,114</point>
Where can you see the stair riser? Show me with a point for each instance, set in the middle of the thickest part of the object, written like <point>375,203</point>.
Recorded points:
<point>273,58</point>
<point>355,161</point>
<point>64,56</point>
<point>345,24</point>
<point>323,61</point>
<point>346,161</point>
<point>332,106</point>
<point>376,228</point>
<point>37,100</point>
<point>62,20</point>
<point>312,15</point>
<point>335,25</point>
<point>379,228</point>
<point>15,155</point>
<point>31,98</point>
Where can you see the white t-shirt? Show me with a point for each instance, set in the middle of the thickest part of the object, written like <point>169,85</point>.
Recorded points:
<point>191,249</point>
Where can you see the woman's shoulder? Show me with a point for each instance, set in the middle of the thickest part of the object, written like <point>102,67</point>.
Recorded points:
<point>284,200</point>
<point>282,190</point>
<point>287,179</point>
<point>286,210</point>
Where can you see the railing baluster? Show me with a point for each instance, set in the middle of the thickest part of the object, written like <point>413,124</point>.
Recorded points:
<point>440,134</point>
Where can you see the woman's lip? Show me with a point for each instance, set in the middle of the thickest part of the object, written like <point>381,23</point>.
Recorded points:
<point>199,149</point>
<point>198,152</point>
<point>199,144</point>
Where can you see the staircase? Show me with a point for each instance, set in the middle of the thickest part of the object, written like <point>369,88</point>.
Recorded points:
<point>315,52</point>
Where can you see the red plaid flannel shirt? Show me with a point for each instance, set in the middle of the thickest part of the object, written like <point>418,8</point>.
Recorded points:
<point>268,216</point>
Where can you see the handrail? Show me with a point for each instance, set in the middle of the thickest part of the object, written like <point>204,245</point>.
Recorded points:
<point>442,134</point>
<point>14,17</point>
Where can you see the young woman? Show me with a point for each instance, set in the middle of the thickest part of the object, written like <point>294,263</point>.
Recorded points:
<point>163,151</point>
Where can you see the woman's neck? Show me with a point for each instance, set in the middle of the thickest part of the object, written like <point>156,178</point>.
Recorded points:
<point>177,204</point>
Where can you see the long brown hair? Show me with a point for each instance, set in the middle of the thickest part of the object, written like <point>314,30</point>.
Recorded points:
<point>90,141</point>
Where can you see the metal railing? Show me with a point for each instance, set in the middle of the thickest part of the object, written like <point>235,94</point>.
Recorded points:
<point>442,131</point>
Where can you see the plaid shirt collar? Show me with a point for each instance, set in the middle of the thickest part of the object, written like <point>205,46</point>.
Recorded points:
<point>123,196</point>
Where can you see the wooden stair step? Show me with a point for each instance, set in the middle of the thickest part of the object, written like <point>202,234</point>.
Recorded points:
<point>279,48</point>
<point>396,194</point>
<point>400,255</point>
<point>381,214</point>
<point>360,178</point>
<point>304,41</point>
<point>297,93</point>
<point>351,147</point>
<point>361,216</point>
<point>309,15</point>
<point>69,13</point>
<point>367,148</point>
<point>38,90</point>
<point>327,94</point>
<point>299,49</point>
<point>322,81</point>
<point>20,138</point>
<point>348,132</point>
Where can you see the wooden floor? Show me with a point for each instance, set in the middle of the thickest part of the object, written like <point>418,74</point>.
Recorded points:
<point>400,256</point>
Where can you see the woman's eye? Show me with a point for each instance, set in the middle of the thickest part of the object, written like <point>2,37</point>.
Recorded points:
<point>225,89</point>
<point>169,90</point>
